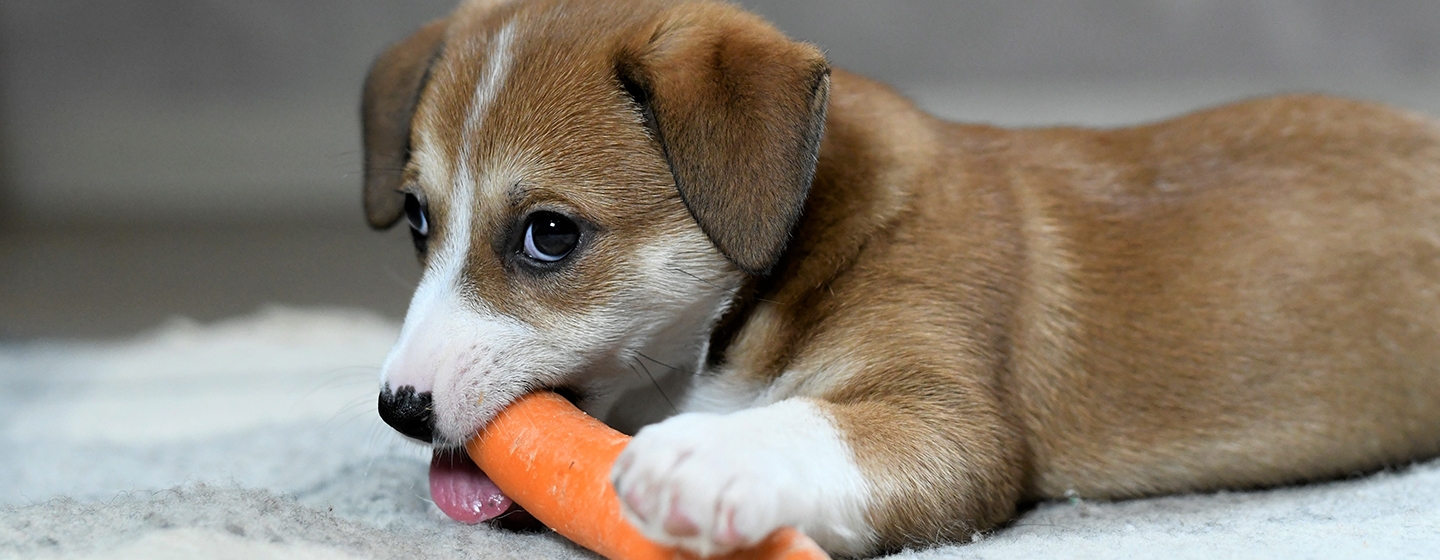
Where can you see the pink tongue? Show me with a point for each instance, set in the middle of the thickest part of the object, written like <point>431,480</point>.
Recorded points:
<point>462,490</point>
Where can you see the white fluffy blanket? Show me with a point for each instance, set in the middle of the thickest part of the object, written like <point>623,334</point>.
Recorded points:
<point>257,437</point>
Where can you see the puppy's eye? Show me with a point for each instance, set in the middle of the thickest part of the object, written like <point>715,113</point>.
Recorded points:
<point>549,237</point>
<point>418,215</point>
<point>415,213</point>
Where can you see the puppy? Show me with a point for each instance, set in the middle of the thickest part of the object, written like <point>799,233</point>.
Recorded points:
<point>881,328</point>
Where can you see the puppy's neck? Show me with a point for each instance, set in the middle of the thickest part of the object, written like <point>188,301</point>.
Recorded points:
<point>861,185</point>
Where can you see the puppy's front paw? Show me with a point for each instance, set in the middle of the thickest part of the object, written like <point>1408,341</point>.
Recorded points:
<point>709,483</point>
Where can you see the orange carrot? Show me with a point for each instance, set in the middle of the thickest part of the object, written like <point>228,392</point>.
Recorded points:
<point>554,460</point>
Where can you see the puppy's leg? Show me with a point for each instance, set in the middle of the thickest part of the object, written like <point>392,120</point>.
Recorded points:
<point>942,459</point>
<point>711,483</point>
<point>857,475</point>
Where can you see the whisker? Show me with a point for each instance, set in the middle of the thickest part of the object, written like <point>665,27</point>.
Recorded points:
<point>642,355</point>
<point>658,389</point>
<point>712,284</point>
<point>731,291</point>
<point>351,412</point>
<point>637,371</point>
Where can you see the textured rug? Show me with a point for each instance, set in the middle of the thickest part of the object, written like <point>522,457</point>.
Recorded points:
<point>257,437</point>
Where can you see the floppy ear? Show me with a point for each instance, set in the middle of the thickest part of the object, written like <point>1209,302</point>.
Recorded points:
<point>738,110</point>
<point>392,89</point>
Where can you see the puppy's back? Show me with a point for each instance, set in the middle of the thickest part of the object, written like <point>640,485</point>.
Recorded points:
<point>1248,295</point>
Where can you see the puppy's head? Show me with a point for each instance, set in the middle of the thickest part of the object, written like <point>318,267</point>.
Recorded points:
<point>587,183</point>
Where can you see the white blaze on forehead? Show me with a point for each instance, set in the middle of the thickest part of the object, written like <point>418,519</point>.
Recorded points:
<point>490,84</point>
<point>433,323</point>
<point>450,252</point>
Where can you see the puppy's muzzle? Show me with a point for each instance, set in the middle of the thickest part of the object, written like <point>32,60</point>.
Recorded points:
<point>409,412</point>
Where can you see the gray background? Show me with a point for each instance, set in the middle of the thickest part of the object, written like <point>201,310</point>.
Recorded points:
<point>200,157</point>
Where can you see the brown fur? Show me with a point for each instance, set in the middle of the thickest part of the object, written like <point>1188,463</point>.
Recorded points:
<point>1244,296</point>
<point>710,77</point>
<point>392,90</point>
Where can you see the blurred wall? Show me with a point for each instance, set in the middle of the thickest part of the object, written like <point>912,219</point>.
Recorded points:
<point>211,111</point>
<point>195,111</point>
<point>921,41</point>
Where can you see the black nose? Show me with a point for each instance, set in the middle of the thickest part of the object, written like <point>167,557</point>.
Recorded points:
<point>408,412</point>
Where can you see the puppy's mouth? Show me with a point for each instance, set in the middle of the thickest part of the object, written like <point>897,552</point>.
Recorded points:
<point>462,490</point>
<point>466,494</point>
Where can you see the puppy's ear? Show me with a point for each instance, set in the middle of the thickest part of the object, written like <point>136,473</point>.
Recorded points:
<point>392,89</point>
<point>738,110</point>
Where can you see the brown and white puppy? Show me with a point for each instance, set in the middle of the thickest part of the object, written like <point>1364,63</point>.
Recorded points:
<point>881,328</point>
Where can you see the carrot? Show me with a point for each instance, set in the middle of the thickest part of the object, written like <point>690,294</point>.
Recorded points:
<point>554,460</point>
